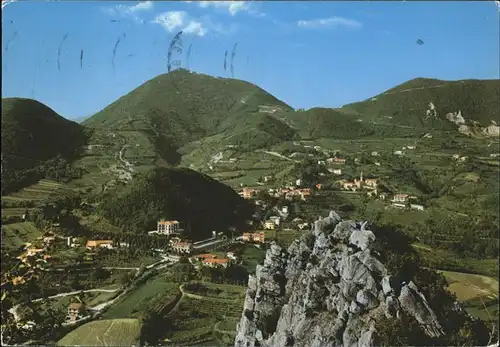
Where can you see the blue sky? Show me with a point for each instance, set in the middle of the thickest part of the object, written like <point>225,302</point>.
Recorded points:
<point>305,53</point>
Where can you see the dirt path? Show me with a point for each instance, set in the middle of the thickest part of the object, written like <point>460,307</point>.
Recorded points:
<point>276,154</point>
<point>420,88</point>
<point>189,295</point>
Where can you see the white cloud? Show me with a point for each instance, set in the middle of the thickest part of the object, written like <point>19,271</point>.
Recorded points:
<point>195,28</point>
<point>329,22</point>
<point>142,6</point>
<point>129,11</point>
<point>7,2</point>
<point>179,20</point>
<point>233,7</point>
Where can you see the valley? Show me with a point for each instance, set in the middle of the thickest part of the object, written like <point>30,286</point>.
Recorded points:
<point>148,230</point>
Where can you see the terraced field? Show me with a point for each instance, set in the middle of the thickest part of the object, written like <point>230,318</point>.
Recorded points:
<point>17,234</point>
<point>111,332</point>
<point>207,319</point>
<point>16,203</point>
<point>38,191</point>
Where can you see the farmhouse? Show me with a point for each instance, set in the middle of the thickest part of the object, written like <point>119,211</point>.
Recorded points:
<point>222,262</point>
<point>374,154</point>
<point>248,193</point>
<point>76,310</point>
<point>371,182</point>
<point>398,153</point>
<point>49,240</point>
<point>18,280</point>
<point>255,237</point>
<point>349,185</point>
<point>269,225</point>
<point>182,247</point>
<point>339,161</point>
<point>201,257</point>
<point>400,198</point>
<point>99,244</point>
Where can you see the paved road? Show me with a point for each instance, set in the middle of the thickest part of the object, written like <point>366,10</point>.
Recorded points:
<point>166,261</point>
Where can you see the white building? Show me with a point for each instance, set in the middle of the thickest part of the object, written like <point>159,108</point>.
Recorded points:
<point>269,225</point>
<point>298,182</point>
<point>167,227</point>
<point>417,207</point>
<point>374,154</point>
<point>398,153</point>
<point>401,198</point>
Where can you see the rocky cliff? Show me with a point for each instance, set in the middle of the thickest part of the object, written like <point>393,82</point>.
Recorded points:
<point>328,289</point>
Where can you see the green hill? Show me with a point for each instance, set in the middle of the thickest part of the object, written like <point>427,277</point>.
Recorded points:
<point>180,107</point>
<point>32,133</point>
<point>181,194</point>
<point>325,122</point>
<point>407,104</point>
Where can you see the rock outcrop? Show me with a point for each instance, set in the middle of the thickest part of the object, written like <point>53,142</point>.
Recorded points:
<point>327,289</point>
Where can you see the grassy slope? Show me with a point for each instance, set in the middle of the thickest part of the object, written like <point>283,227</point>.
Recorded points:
<point>177,108</point>
<point>17,234</point>
<point>478,293</point>
<point>324,122</point>
<point>408,102</point>
<point>114,332</point>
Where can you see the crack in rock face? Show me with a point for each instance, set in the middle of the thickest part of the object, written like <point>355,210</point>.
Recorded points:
<point>327,289</point>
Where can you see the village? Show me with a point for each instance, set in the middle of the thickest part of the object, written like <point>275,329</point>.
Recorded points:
<point>273,217</point>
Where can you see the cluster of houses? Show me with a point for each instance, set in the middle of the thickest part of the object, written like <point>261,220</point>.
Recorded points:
<point>291,192</point>
<point>369,184</point>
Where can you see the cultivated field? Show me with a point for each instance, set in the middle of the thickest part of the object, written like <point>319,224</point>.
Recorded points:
<point>207,318</point>
<point>478,293</point>
<point>17,234</point>
<point>111,332</point>
<point>38,191</point>
<point>146,297</point>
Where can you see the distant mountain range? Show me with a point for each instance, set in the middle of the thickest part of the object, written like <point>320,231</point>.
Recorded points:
<point>182,111</point>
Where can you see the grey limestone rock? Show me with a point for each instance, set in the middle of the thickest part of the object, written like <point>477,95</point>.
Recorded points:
<point>326,293</point>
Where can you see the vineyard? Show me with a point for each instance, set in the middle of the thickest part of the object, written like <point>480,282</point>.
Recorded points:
<point>212,319</point>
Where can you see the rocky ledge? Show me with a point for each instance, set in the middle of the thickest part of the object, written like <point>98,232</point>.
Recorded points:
<point>327,289</point>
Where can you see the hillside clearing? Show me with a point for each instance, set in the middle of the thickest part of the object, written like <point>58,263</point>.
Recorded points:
<point>17,234</point>
<point>112,332</point>
<point>478,293</point>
